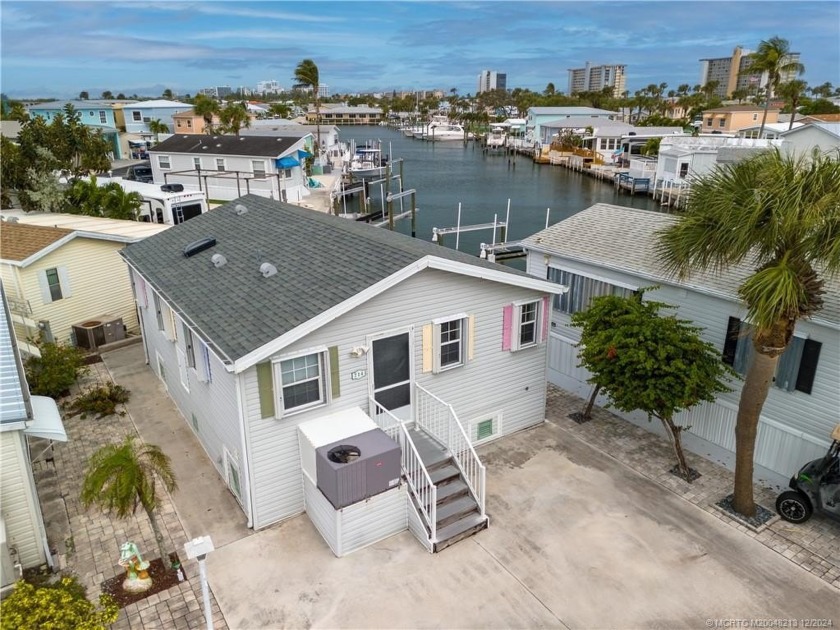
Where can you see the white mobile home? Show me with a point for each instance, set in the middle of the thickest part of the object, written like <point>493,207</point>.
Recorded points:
<point>608,249</point>
<point>292,317</point>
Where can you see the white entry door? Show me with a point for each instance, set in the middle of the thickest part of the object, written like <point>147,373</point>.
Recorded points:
<point>392,372</point>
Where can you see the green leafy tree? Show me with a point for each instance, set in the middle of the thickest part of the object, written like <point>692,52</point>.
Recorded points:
<point>59,606</point>
<point>825,90</point>
<point>650,362</point>
<point>120,96</point>
<point>819,106</point>
<point>306,73</point>
<point>12,171</point>
<point>792,92</point>
<point>83,96</point>
<point>280,110</point>
<point>651,146</point>
<point>772,57</point>
<point>167,94</point>
<point>158,127</point>
<point>121,477</point>
<point>55,371</point>
<point>779,214</point>
<point>207,108</point>
<point>233,118</point>
<point>107,95</point>
<point>111,200</point>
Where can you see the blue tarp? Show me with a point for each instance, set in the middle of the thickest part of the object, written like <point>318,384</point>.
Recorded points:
<point>287,162</point>
<point>302,155</point>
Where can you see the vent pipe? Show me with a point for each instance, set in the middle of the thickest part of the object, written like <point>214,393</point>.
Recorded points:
<point>267,270</point>
<point>199,246</point>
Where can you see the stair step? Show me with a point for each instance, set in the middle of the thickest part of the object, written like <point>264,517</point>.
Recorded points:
<point>444,473</point>
<point>453,510</point>
<point>451,490</point>
<point>459,530</point>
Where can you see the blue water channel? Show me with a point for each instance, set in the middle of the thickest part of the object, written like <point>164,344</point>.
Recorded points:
<point>446,173</point>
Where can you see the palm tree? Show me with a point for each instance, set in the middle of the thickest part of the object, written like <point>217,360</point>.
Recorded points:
<point>306,74</point>
<point>234,116</point>
<point>205,107</point>
<point>793,91</point>
<point>777,213</point>
<point>158,127</point>
<point>122,476</point>
<point>772,57</point>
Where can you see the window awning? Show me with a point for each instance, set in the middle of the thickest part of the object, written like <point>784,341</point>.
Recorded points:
<point>46,420</point>
<point>287,162</point>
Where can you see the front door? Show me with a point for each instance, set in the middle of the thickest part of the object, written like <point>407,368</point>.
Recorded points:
<point>392,373</point>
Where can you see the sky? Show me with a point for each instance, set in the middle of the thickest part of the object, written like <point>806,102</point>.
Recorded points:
<point>57,49</point>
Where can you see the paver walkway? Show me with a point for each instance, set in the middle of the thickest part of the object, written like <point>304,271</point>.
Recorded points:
<point>87,542</point>
<point>814,545</point>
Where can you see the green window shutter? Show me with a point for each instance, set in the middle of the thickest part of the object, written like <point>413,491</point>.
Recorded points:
<point>485,429</point>
<point>335,384</point>
<point>265,382</point>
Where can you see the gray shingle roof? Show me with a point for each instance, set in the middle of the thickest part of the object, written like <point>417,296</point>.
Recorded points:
<point>196,144</point>
<point>321,261</point>
<point>622,239</point>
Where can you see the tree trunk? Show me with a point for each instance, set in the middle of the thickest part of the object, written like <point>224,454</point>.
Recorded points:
<point>587,411</point>
<point>753,394</point>
<point>766,107</point>
<point>164,558</point>
<point>674,434</point>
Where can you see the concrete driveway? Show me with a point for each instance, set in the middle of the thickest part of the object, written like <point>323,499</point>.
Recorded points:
<point>576,540</point>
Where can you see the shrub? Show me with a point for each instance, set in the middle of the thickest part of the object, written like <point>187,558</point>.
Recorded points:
<point>101,401</point>
<point>60,606</point>
<point>55,371</point>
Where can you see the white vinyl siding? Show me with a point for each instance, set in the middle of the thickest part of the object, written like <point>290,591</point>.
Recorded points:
<point>510,383</point>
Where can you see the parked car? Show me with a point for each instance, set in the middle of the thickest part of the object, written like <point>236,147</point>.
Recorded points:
<point>140,173</point>
<point>815,488</point>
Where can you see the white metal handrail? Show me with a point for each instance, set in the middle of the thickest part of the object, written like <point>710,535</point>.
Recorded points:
<point>439,419</point>
<point>417,477</point>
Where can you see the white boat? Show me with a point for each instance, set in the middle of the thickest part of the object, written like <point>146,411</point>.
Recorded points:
<point>444,132</point>
<point>367,163</point>
<point>496,138</point>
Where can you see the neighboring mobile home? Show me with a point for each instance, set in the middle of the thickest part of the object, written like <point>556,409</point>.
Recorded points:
<point>23,537</point>
<point>58,277</point>
<point>227,167</point>
<point>609,249</point>
<point>296,325</point>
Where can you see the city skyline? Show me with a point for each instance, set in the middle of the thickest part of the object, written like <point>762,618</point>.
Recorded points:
<point>57,49</point>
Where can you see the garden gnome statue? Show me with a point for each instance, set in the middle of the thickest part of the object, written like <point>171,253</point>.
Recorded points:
<point>137,577</point>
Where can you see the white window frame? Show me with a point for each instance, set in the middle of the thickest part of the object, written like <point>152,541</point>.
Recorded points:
<point>164,163</point>
<point>136,116</point>
<point>197,163</point>
<point>258,172</point>
<point>159,313</point>
<point>189,345</point>
<point>280,409</point>
<point>437,327</point>
<point>103,117</point>
<point>221,161</point>
<point>516,331</point>
<point>183,370</point>
<point>56,286</point>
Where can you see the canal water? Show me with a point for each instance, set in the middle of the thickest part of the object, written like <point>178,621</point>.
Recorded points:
<point>448,173</point>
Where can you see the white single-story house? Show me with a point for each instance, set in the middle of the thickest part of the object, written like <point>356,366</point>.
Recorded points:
<point>538,116</point>
<point>23,535</point>
<point>824,136</point>
<point>227,167</point>
<point>609,249</point>
<point>296,329</point>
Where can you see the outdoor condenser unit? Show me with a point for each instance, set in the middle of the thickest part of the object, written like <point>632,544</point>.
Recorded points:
<point>357,467</point>
<point>98,331</point>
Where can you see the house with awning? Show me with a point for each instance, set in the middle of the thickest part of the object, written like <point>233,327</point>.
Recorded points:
<point>227,167</point>
<point>23,537</point>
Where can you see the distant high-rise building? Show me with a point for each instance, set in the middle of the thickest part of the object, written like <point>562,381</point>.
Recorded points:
<point>732,73</point>
<point>269,87</point>
<point>220,91</point>
<point>491,80</point>
<point>595,78</point>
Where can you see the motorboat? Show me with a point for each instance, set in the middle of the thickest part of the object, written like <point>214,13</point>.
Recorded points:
<point>443,132</point>
<point>496,138</point>
<point>367,163</point>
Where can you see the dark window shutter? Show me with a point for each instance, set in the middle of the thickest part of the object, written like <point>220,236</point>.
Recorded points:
<point>335,384</point>
<point>733,329</point>
<point>808,366</point>
<point>265,382</point>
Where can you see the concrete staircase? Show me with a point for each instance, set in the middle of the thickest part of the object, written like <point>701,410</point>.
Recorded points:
<point>458,514</point>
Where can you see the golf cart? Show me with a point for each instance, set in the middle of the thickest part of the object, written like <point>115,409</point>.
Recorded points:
<point>816,487</point>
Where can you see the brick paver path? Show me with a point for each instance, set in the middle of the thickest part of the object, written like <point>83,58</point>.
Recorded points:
<point>814,545</point>
<point>88,545</point>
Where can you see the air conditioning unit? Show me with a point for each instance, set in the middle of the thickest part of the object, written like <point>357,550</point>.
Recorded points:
<point>357,467</point>
<point>98,331</point>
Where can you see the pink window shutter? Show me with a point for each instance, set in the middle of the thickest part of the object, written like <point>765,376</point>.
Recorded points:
<point>546,317</point>
<point>507,326</point>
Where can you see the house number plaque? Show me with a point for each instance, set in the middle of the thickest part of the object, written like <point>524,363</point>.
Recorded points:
<point>357,375</point>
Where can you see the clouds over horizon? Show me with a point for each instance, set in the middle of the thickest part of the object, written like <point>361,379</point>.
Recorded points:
<point>366,46</point>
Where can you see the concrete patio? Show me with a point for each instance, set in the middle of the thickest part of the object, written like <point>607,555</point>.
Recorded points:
<point>588,530</point>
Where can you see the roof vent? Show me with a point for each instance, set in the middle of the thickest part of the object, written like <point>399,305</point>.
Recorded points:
<point>267,270</point>
<point>218,260</point>
<point>199,246</point>
<point>240,209</point>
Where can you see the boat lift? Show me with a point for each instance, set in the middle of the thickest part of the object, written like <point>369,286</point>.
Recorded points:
<point>502,250</point>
